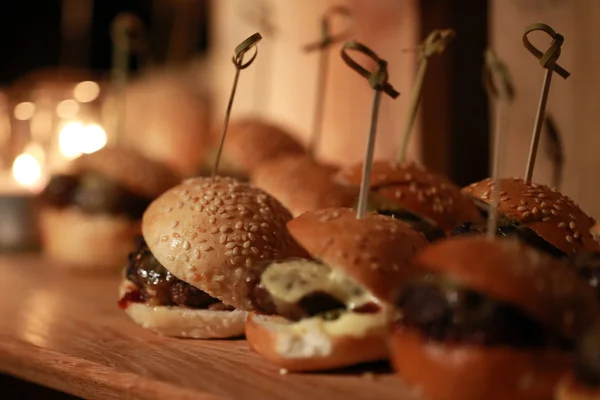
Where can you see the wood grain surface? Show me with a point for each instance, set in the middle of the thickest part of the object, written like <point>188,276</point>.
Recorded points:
<point>66,332</point>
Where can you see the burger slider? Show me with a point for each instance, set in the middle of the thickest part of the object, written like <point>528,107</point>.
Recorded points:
<point>199,238</point>
<point>301,184</point>
<point>332,311</point>
<point>91,214</point>
<point>250,142</point>
<point>538,215</point>
<point>584,382</point>
<point>489,319</point>
<point>427,201</point>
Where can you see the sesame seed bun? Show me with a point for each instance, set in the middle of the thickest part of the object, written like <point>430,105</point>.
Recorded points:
<point>550,214</point>
<point>314,344</point>
<point>208,232</point>
<point>570,389</point>
<point>86,242</point>
<point>374,250</point>
<point>301,184</point>
<point>449,372</point>
<point>509,271</point>
<point>141,175</point>
<point>185,322</point>
<point>252,141</point>
<point>418,190</point>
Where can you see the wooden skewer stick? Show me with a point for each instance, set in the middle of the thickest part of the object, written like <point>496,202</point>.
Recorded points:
<point>238,61</point>
<point>127,36</point>
<point>378,81</point>
<point>548,61</point>
<point>327,39</point>
<point>435,43</point>
<point>500,90</point>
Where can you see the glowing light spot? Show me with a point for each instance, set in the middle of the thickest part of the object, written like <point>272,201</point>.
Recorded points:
<point>69,139</point>
<point>24,111</point>
<point>94,138</point>
<point>67,108</point>
<point>26,170</point>
<point>86,91</point>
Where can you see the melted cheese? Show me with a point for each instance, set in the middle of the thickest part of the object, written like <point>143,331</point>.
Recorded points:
<point>291,281</point>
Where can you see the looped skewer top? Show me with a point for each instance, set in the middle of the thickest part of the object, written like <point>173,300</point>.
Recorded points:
<point>128,27</point>
<point>436,42</point>
<point>243,48</point>
<point>496,78</point>
<point>378,78</point>
<point>549,58</point>
<point>327,38</point>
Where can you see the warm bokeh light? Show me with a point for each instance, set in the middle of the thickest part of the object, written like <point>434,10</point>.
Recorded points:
<point>86,91</point>
<point>26,170</point>
<point>41,125</point>
<point>36,150</point>
<point>75,139</point>
<point>24,111</point>
<point>67,109</point>
<point>69,139</point>
<point>94,138</point>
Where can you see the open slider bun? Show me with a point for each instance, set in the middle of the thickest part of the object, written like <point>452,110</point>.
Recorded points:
<point>418,190</point>
<point>252,141</point>
<point>516,274</point>
<point>185,322</point>
<point>100,242</point>
<point>301,184</point>
<point>207,232</point>
<point>373,254</point>
<point>553,216</point>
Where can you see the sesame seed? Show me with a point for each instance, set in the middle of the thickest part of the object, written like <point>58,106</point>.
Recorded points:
<point>164,238</point>
<point>179,204</point>
<point>197,253</point>
<point>572,216</point>
<point>224,229</point>
<point>174,224</point>
<point>170,258</point>
<point>168,209</point>
<point>265,225</point>
<point>235,238</point>
<point>554,212</point>
<point>229,253</point>
<point>198,207</point>
<point>208,197</point>
<point>222,239</point>
<point>265,238</point>
<point>572,225</point>
<point>521,208</point>
<point>526,214</point>
<point>545,219</point>
<point>523,202</point>
<point>236,251</point>
<point>253,228</point>
<point>537,201</point>
<point>214,229</point>
<point>239,225</point>
<point>569,238</point>
<point>186,245</point>
<point>557,207</point>
<point>246,244</point>
<point>542,195</point>
<point>562,225</point>
<point>230,245</point>
<point>535,210</point>
<point>254,250</point>
<point>248,262</point>
<point>226,216</point>
<point>501,199</point>
<point>176,235</point>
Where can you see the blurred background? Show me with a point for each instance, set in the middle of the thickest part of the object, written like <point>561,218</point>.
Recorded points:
<point>57,91</point>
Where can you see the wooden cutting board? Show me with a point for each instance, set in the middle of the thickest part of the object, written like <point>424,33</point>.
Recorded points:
<point>66,332</point>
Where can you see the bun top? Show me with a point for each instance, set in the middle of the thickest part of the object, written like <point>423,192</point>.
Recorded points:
<point>146,177</point>
<point>374,251</point>
<point>251,141</point>
<point>553,216</point>
<point>301,184</point>
<point>509,271</point>
<point>418,190</point>
<point>207,232</point>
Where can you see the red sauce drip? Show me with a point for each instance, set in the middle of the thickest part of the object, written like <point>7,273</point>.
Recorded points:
<point>369,308</point>
<point>135,296</point>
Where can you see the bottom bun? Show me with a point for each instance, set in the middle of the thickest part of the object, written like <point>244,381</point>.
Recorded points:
<point>185,322</point>
<point>450,372</point>
<point>314,344</point>
<point>85,241</point>
<point>570,389</point>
